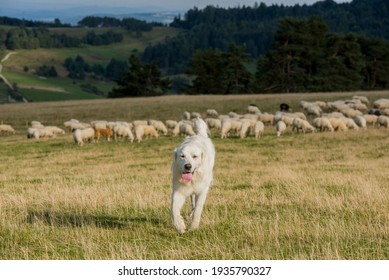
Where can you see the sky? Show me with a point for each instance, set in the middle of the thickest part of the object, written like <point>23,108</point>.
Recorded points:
<point>165,4</point>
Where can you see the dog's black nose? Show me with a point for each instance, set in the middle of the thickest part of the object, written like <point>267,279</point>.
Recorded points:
<point>188,166</point>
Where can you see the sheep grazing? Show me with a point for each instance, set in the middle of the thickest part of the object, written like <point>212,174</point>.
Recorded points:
<point>107,132</point>
<point>37,133</point>
<point>55,130</point>
<point>363,99</point>
<point>361,122</point>
<point>323,124</point>
<point>350,123</point>
<point>383,121</point>
<point>259,128</point>
<point>159,126</point>
<point>370,119</point>
<point>36,124</point>
<point>186,115</point>
<point>6,129</point>
<point>83,135</point>
<point>314,110</point>
<point>266,118</point>
<point>245,128</point>
<point>303,125</point>
<point>253,109</point>
<point>171,124</point>
<point>212,113</point>
<point>183,128</point>
<point>139,122</point>
<point>99,124</point>
<point>381,103</point>
<point>122,131</point>
<point>212,123</point>
<point>228,125</point>
<point>145,130</point>
<point>280,127</point>
<point>338,124</point>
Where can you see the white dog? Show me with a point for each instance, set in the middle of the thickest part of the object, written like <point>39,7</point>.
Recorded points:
<point>192,175</point>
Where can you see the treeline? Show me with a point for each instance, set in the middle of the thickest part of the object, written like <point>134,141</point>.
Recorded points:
<point>130,24</point>
<point>33,38</point>
<point>31,23</point>
<point>215,27</point>
<point>304,57</point>
<point>78,69</point>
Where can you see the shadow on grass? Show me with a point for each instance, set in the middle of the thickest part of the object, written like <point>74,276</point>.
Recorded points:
<point>83,220</point>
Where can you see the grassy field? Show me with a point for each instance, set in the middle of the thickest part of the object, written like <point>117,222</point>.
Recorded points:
<point>312,196</point>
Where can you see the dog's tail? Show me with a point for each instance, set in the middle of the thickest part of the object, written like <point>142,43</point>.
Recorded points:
<point>201,128</point>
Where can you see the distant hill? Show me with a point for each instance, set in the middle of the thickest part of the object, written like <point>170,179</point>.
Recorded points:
<point>253,27</point>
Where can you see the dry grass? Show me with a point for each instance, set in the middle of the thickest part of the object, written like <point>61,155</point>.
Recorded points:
<point>316,196</point>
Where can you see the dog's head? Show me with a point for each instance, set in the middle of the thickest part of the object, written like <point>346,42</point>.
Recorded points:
<point>188,160</point>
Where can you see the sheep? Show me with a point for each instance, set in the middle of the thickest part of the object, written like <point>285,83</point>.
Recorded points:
<point>259,127</point>
<point>228,125</point>
<point>323,124</point>
<point>6,129</point>
<point>213,123</point>
<point>107,132</point>
<point>68,124</point>
<point>351,113</point>
<point>37,133</point>
<point>314,110</point>
<point>159,126</point>
<point>99,124</point>
<point>381,103</point>
<point>383,121</point>
<point>350,123</point>
<point>171,124</point>
<point>186,115</point>
<point>299,124</point>
<point>234,115</point>
<point>36,124</point>
<point>338,124</point>
<point>82,135</point>
<point>55,130</point>
<point>123,131</point>
<point>253,109</point>
<point>280,127</point>
<point>183,128</point>
<point>370,119</point>
<point>360,121</point>
<point>145,130</point>
<point>245,128</point>
<point>266,118</point>
<point>363,99</point>
<point>139,122</point>
<point>212,113</point>
<point>195,115</point>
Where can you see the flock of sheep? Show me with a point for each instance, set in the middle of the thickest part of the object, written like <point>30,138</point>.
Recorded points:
<point>317,116</point>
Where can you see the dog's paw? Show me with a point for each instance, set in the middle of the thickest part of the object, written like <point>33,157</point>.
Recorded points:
<point>180,226</point>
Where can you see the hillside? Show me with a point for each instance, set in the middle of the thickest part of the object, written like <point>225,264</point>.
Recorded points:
<point>21,67</point>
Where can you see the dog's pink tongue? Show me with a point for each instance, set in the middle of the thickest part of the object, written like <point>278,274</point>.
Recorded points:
<point>186,177</point>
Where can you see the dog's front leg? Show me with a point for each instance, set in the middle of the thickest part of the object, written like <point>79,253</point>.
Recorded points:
<point>178,201</point>
<point>196,213</point>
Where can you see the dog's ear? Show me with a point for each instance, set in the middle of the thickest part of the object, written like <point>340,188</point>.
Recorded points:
<point>175,154</point>
<point>202,156</point>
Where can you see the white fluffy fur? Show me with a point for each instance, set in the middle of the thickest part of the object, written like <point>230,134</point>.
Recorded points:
<point>197,152</point>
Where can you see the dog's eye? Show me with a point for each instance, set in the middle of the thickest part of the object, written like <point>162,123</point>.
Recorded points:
<point>182,156</point>
<point>194,156</point>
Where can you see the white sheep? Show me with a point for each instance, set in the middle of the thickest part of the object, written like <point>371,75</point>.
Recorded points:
<point>145,130</point>
<point>122,131</point>
<point>100,124</point>
<point>139,122</point>
<point>159,126</point>
<point>280,127</point>
<point>351,113</point>
<point>350,123</point>
<point>253,109</point>
<point>259,128</point>
<point>83,135</point>
<point>55,130</point>
<point>303,125</point>
<point>245,128</point>
<point>363,99</point>
<point>228,125</point>
<point>370,119</point>
<point>383,121</point>
<point>37,133</point>
<point>171,124</point>
<point>323,124</point>
<point>6,129</point>
<point>381,103</point>
<point>186,115</point>
<point>212,113</point>
<point>338,124</point>
<point>213,123</point>
<point>314,110</point>
<point>68,124</point>
<point>266,118</point>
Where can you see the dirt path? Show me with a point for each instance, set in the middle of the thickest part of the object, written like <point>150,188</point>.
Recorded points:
<point>1,70</point>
